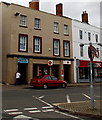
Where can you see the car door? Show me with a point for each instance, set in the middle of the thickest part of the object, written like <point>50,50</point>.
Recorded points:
<point>49,81</point>
<point>55,81</point>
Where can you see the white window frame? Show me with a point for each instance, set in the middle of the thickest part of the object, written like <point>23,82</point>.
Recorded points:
<point>81,51</point>
<point>56,27</point>
<point>37,23</point>
<point>23,42</point>
<point>66,48</point>
<point>56,49</point>
<point>89,36</point>
<point>23,20</point>
<point>66,32</point>
<point>37,44</point>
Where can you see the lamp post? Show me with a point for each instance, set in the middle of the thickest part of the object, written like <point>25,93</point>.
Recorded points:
<point>91,52</point>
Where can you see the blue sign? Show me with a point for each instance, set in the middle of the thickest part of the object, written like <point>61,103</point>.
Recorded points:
<point>23,60</point>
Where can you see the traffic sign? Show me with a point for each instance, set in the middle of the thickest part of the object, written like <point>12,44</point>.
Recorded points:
<point>50,62</point>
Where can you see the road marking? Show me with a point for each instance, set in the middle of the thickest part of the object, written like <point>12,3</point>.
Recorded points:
<point>86,96</point>
<point>15,113</point>
<point>41,97</point>
<point>30,108</point>
<point>42,101</point>
<point>35,111</point>
<point>46,107</point>
<point>72,116</point>
<point>68,99</point>
<point>10,110</point>
<point>49,110</point>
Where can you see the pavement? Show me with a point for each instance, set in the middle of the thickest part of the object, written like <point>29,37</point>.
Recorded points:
<point>80,108</point>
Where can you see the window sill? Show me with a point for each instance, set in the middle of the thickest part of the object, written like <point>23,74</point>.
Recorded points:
<point>56,33</point>
<point>23,26</point>
<point>66,34</point>
<point>37,28</point>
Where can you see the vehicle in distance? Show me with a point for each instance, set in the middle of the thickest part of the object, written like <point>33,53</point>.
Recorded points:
<point>47,81</point>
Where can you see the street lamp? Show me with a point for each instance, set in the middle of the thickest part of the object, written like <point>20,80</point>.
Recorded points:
<point>91,52</point>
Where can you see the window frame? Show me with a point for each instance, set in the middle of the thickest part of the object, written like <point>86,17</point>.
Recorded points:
<point>66,41</point>
<point>80,34</point>
<point>56,27</point>
<point>58,47</point>
<point>89,36</point>
<point>37,23</point>
<point>66,31</point>
<point>39,45</point>
<point>96,37</point>
<point>19,49</point>
<point>23,21</point>
<point>81,51</point>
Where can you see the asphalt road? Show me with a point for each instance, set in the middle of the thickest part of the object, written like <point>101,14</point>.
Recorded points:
<point>37,104</point>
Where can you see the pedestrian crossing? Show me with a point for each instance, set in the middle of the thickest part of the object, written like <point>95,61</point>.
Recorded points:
<point>31,110</point>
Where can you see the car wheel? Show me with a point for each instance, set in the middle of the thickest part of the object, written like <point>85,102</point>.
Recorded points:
<point>45,86</point>
<point>63,85</point>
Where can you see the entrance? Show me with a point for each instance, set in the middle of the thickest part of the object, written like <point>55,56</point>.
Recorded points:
<point>22,68</point>
<point>67,73</point>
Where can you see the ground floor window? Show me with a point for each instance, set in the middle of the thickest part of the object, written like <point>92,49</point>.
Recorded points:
<point>83,73</point>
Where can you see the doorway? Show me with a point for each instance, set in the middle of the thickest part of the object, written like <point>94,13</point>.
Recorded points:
<point>67,73</point>
<point>22,68</point>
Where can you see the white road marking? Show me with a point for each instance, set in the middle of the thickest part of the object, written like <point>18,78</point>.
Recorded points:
<point>35,111</point>
<point>42,101</point>
<point>15,113</point>
<point>86,96</point>
<point>48,110</point>
<point>30,108</point>
<point>46,107</point>
<point>41,97</point>
<point>10,110</point>
<point>68,99</point>
<point>72,116</point>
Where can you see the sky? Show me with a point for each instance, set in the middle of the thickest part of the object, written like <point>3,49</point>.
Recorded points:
<point>71,8</point>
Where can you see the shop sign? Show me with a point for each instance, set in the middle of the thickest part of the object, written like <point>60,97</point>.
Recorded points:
<point>23,60</point>
<point>66,62</point>
<point>50,62</point>
<point>95,64</point>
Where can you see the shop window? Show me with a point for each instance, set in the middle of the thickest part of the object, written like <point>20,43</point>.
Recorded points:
<point>66,48</point>
<point>83,73</point>
<point>23,43</point>
<point>56,47</point>
<point>37,44</point>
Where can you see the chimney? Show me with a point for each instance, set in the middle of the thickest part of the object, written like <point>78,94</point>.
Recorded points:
<point>34,4</point>
<point>59,9</point>
<point>85,17</point>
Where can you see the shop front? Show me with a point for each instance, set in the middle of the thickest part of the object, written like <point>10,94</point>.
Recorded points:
<point>84,71</point>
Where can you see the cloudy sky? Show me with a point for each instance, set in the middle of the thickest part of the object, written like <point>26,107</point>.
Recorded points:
<point>71,9</point>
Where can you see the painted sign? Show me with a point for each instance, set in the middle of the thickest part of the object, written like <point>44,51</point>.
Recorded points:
<point>23,60</point>
<point>50,62</point>
<point>66,62</point>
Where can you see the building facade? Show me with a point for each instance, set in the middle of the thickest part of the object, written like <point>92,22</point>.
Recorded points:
<point>83,32</point>
<point>35,43</point>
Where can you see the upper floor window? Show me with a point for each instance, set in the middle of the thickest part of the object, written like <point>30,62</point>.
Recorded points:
<point>56,27</point>
<point>23,20</point>
<point>37,23</point>
<point>81,34</point>
<point>23,43</point>
<point>66,48</point>
<point>89,36</point>
<point>96,37</point>
<point>65,29</point>
<point>81,51</point>
<point>56,47</point>
<point>37,44</point>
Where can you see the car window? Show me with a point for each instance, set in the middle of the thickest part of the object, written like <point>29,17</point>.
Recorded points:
<point>54,78</point>
<point>48,78</point>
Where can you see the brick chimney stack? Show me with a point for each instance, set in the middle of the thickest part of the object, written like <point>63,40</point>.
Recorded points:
<point>59,9</point>
<point>85,17</point>
<point>34,4</point>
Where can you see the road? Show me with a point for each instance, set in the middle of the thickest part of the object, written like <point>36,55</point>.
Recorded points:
<point>37,104</point>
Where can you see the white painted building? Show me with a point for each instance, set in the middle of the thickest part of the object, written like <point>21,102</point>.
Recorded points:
<point>83,32</point>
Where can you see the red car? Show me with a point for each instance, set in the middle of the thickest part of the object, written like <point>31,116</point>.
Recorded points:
<point>47,81</point>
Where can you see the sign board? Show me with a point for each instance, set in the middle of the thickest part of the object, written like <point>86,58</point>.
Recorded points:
<point>50,62</point>
<point>23,60</point>
<point>62,72</point>
<point>66,62</point>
